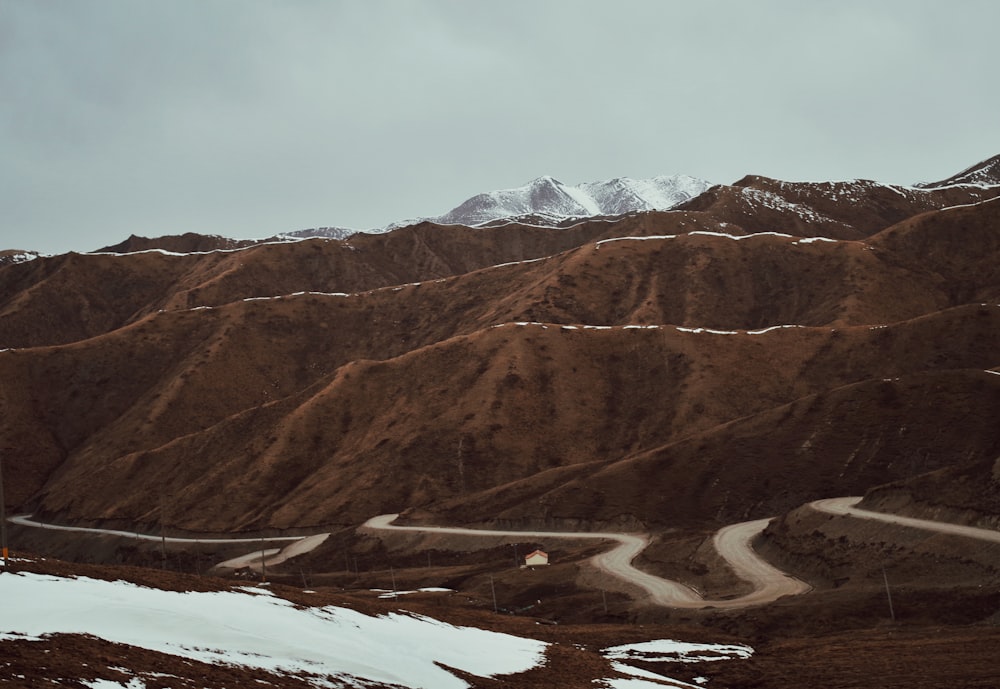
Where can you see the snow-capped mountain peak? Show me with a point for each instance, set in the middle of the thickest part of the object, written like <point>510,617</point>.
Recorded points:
<point>548,197</point>
<point>983,174</point>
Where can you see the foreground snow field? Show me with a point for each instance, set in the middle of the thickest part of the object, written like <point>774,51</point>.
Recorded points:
<point>327,646</point>
<point>253,628</point>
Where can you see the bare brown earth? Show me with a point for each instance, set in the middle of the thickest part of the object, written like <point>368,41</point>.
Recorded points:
<point>448,374</point>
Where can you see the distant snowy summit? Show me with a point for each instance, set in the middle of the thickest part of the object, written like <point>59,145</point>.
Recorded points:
<point>547,201</point>
<point>983,174</point>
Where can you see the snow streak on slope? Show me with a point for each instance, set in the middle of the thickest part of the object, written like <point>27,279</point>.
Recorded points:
<point>665,651</point>
<point>254,628</point>
<point>983,174</point>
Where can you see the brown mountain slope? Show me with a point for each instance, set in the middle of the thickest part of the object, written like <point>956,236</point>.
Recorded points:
<point>72,297</point>
<point>954,251</point>
<point>449,419</point>
<point>188,242</point>
<point>839,210</point>
<point>839,443</point>
<point>967,492</point>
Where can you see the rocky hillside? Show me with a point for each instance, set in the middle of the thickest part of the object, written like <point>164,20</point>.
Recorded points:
<point>761,345</point>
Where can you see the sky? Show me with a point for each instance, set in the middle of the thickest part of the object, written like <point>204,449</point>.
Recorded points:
<point>247,118</point>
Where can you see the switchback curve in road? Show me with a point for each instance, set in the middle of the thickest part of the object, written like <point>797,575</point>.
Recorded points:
<point>275,556</point>
<point>732,542</point>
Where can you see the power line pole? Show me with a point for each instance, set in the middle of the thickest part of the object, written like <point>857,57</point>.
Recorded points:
<point>163,534</point>
<point>3,516</point>
<point>263,564</point>
<point>888,595</point>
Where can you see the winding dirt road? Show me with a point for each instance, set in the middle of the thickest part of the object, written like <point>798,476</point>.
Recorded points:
<point>732,543</point>
<point>26,520</point>
<point>846,507</point>
<point>273,556</point>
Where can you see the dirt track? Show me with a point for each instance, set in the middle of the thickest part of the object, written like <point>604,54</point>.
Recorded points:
<point>26,520</point>
<point>732,543</point>
<point>297,544</point>
<point>846,506</point>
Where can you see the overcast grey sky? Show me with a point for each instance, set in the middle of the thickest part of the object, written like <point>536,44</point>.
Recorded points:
<point>247,118</point>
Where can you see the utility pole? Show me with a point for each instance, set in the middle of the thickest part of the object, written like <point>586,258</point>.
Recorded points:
<point>263,565</point>
<point>163,534</point>
<point>461,465</point>
<point>493,589</point>
<point>888,595</point>
<point>3,516</point>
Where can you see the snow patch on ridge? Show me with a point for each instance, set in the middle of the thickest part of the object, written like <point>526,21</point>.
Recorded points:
<point>164,252</point>
<point>813,240</point>
<point>519,263</point>
<point>707,330</point>
<point>668,650</point>
<point>709,233</point>
<point>18,256</point>
<point>741,237</point>
<point>647,326</point>
<point>636,239</point>
<point>773,327</point>
<point>774,202</point>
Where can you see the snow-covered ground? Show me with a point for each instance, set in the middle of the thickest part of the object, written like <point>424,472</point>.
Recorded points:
<point>328,646</point>
<point>662,651</point>
<point>253,628</point>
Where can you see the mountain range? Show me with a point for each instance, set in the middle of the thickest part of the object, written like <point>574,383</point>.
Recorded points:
<point>547,202</point>
<point>563,359</point>
<point>544,201</point>
<point>514,372</point>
